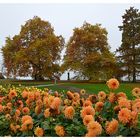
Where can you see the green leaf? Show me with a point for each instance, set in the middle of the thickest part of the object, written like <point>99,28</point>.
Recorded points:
<point>45,125</point>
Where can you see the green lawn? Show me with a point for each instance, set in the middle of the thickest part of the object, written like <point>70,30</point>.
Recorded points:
<point>64,86</point>
<point>94,88</point>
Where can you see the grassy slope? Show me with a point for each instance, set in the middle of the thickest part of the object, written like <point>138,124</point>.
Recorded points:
<point>95,88</point>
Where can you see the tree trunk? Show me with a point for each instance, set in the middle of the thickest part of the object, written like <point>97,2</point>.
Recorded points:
<point>38,77</point>
<point>134,68</point>
<point>134,75</point>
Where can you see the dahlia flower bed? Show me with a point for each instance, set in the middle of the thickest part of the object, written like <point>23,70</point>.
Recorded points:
<point>32,112</point>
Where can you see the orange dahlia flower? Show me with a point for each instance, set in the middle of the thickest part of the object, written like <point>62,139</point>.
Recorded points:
<point>50,99</point>
<point>56,103</point>
<point>136,107</point>
<point>47,113</point>
<point>25,110</point>
<point>112,97</point>
<point>39,132</point>
<point>87,119</point>
<point>113,83</point>
<point>25,118</point>
<point>136,92</point>
<point>75,103</point>
<point>24,94</point>
<point>13,127</point>
<point>121,95</point>
<point>94,129</point>
<point>39,102</point>
<point>12,94</point>
<point>99,106</point>
<point>116,109</point>
<point>20,104</point>
<point>38,110</point>
<point>59,130</point>
<point>76,96</point>
<point>70,95</point>
<point>124,115</point>
<point>46,101</point>
<point>93,98</point>
<point>31,96</point>
<point>27,125</point>
<point>69,112</point>
<point>134,118</point>
<point>87,111</point>
<point>17,112</point>
<point>37,95</point>
<point>7,110</point>
<point>112,127</point>
<point>102,96</point>
<point>28,103</point>
<point>87,103</point>
<point>9,104</point>
<point>124,103</point>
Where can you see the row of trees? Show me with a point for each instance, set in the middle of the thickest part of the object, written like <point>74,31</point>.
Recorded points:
<point>36,51</point>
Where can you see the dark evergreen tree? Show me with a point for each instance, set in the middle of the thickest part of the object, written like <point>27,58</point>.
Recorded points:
<point>129,51</point>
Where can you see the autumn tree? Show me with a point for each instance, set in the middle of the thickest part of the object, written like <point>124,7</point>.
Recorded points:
<point>38,50</point>
<point>9,55</point>
<point>129,51</point>
<point>87,52</point>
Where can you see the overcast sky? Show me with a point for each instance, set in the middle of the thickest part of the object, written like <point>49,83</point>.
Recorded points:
<point>64,18</point>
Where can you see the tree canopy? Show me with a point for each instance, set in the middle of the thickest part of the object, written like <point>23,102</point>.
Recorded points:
<point>129,51</point>
<point>35,51</point>
<point>87,52</point>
